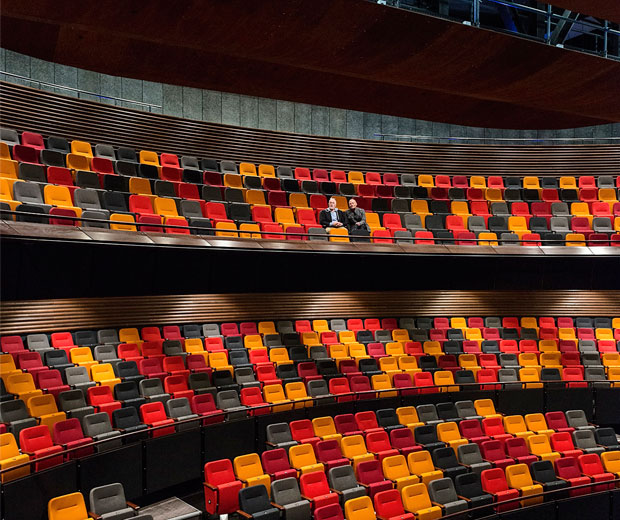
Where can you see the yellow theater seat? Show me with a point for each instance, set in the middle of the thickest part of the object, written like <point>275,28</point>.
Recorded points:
<point>22,385</point>
<point>356,177</point>
<point>67,507</point>
<point>408,416</point>
<point>338,234</point>
<point>247,169</point>
<point>123,222</point>
<point>165,207</point>
<point>274,395</point>
<point>249,470</point>
<point>60,196</point>
<point>297,393</point>
<point>266,170</point>
<point>395,469</point>
<point>426,181</point>
<point>149,157</point>
<point>82,148</point>
<point>103,374</point>
<point>518,477</point>
<point>421,464</point>
<point>44,408</point>
<point>449,433</point>
<point>417,501</point>
<point>303,459</point>
<point>353,448</point>
<point>226,229</point>
<point>78,162</point>
<point>11,457</point>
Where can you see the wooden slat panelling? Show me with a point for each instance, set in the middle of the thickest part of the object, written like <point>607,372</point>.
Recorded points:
<point>24,108</point>
<point>21,317</point>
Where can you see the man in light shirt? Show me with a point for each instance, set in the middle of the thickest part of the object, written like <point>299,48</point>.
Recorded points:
<point>332,217</point>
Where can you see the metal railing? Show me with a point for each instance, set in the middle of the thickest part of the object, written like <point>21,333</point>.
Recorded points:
<point>549,25</point>
<point>309,235</point>
<point>81,92</point>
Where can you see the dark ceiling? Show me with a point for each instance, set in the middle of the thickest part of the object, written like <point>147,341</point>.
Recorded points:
<point>341,53</point>
<point>605,9</point>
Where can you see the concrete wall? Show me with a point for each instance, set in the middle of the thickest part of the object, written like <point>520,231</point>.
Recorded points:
<point>270,114</point>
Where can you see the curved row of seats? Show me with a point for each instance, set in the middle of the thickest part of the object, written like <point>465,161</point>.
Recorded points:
<point>331,462</point>
<point>394,466</point>
<point>161,196</point>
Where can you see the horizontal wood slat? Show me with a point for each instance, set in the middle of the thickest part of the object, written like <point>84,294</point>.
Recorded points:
<point>21,317</point>
<point>25,108</point>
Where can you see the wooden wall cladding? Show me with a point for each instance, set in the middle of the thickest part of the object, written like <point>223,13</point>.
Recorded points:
<point>25,108</point>
<point>21,317</point>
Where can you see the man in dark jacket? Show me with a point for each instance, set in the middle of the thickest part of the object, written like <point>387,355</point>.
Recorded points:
<point>332,217</point>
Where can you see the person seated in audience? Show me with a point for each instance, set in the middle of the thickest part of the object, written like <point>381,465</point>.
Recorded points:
<point>332,217</point>
<point>356,222</point>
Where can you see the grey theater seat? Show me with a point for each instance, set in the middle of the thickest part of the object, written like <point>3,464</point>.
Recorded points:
<point>97,426</point>
<point>9,136</point>
<point>342,479</point>
<point>200,383</point>
<point>477,224</point>
<point>87,199</point>
<point>108,502</point>
<point>228,400</point>
<point>279,436</point>
<point>105,151</point>
<point>108,336</point>
<point>317,233</point>
<point>211,330</point>
<point>78,378</point>
<point>585,441</point>
<point>106,354</point>
<point>319,388</point>
<point>285,494</point>
<point>153,390</point>
<point>467,410</point>
<point>406,323</point>
<point>16,416</point>
<point>427,413</point>
<point>39,343</point>
<point>28,193</point>
<point>469,455</point>
<point>510,377</point>
<point>577,419</point>
<point>228,167</point>
<point>403,237</point>
<point>413,222</point>
<point>338,325</point>
<point>254,502</point>
<point>442,492</point>
<point>72,402</point>
<point>597,376</point>
<point>180,410</point>
<point>245,378</point>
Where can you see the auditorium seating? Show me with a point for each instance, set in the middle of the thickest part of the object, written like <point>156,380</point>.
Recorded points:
<point>252,203</point>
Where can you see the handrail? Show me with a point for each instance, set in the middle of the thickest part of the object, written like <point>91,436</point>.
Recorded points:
<point>546,14</point>
<point>78,90</point>
<point>354,396</point>
<point>393,240</point>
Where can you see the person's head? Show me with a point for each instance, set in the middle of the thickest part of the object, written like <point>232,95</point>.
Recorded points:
<point>332,203</point>
<point>352,203</point>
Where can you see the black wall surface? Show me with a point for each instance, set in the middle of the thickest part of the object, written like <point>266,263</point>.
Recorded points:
<point>41,269</point>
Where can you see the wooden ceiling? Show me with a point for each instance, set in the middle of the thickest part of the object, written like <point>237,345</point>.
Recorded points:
<point>605,9</point>
<point>342,53</point>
